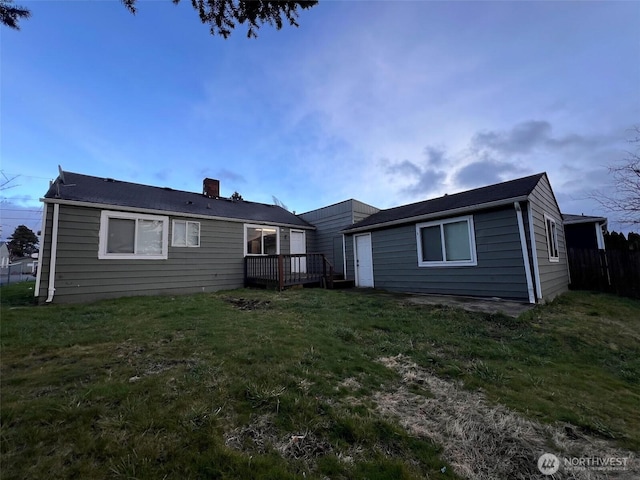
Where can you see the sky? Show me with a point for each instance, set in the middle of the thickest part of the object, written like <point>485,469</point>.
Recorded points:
<point>385,102</point>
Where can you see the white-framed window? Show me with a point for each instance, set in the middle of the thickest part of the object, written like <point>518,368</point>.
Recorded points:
<point>551,230</point>
<point>447,243</point>
<point>261,240</point>
<point>185,233</point>
<point>127,236</point>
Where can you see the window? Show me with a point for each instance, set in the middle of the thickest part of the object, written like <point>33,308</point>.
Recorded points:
<point>446,243</point>
<point>261,240</point>
<point>552,238</point>
<point>185,234</point>
<point>132,236</point>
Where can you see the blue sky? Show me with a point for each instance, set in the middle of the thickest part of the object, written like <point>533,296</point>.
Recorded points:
<point>385,102</point>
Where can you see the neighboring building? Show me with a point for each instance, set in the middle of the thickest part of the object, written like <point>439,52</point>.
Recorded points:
<point>504,240</point>
<point>582,231</point>
<point>5,258</point>
<point>106,238</point>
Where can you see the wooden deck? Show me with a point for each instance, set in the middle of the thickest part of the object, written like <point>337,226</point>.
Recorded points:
<point>286,270</point>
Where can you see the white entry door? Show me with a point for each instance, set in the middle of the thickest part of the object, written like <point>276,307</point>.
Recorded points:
<point>364,260</point>
<point>298,245</point>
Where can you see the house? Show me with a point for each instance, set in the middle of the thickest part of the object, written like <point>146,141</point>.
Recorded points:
<point>329,222</point>
<point>5,258</point>
<point>583,231</point>
<point>106,238</point>
<point>504,240</point>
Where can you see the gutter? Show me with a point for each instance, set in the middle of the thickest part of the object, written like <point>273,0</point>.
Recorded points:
<point>54,252</point>
<point>438,214</point>
<point>525,252</point>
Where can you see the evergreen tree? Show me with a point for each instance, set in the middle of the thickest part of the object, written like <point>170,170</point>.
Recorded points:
<point>22,242</point>
<point>220,15</point>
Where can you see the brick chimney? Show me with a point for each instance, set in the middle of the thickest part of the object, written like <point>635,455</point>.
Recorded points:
<point>211,188</point>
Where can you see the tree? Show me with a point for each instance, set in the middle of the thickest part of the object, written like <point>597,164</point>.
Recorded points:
<point>625,196</point>
<point>22,242</point>
<point>220,15</point>
<point>10,14</point>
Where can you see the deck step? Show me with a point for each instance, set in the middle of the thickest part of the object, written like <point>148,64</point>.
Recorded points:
<point>337,284</point>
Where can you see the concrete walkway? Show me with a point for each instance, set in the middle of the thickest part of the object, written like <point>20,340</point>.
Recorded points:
<point>471,304</point>
<point>474,304</point>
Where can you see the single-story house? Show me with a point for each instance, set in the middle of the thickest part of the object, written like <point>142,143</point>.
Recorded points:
<point>582,231</point>
<point>504,240</point>
<point>107,238</point>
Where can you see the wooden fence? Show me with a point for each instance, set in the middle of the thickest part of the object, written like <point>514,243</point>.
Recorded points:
<point>614,271</point>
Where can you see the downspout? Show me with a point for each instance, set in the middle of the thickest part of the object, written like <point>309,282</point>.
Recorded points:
<point>43,239</point>
<point>54,252</point>
<point>534,252</point>
<point>525,253</point>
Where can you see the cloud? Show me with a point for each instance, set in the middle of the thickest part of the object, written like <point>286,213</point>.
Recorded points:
<point>522,138</point>
<point>527,137</point>
<point>404,168</point>
<point>422,179</point>
<point>486,172</point>
<point>225,174</point>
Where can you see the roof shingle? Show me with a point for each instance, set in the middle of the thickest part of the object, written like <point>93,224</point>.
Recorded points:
<point>504,191</point>
<point>106,191</point>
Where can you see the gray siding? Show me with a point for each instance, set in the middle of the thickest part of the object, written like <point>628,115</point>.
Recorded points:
<point>554,276</point>
<point>329,222</point>
<point>499,272</point>
<point>80,276</point>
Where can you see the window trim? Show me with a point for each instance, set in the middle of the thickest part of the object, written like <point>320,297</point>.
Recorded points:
<point>105,215</point>
<point>448,263</point>
<point>186,237</point>
<point>548,219</point>
<point>253,225</point>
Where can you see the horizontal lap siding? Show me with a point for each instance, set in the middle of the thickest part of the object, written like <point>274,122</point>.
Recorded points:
<point>500,270</point>
<point>80,276</point>
<point>329,223</point>
<point>554,276</point>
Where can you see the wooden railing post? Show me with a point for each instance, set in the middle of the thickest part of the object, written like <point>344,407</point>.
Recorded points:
<point>281,272</point>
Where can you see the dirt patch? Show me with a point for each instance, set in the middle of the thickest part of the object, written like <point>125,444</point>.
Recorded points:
<point>248,303</point>
<point>484,441</point>
<point>260,436</point>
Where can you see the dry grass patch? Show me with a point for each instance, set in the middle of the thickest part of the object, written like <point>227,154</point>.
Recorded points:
<point>485,441</point>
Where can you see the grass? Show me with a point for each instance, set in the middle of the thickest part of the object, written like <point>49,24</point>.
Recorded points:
<point>257,384</point>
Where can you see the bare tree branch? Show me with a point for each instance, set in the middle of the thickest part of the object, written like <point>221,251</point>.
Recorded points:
<point>624,199</point>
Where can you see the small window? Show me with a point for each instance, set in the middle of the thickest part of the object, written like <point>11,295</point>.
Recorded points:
<point>261,240</point>
<point>552,238</point>
<point>448,242</point>
<point>185,234</point>
<point>132,236</point>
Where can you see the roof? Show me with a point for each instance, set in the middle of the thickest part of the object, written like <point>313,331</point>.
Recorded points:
<point>72,187</point>
<point>483,197</point>
<point>569,218</point>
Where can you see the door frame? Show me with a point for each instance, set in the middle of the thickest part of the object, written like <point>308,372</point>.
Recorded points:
<point>355,258</point>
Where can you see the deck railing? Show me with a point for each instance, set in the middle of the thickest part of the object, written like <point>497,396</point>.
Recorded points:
<point>285,270</point>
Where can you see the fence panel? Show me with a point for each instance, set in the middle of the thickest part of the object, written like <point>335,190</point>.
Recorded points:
<point>615,271</point>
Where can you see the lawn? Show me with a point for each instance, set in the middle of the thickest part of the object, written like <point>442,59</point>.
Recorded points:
<point>257,384</point>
